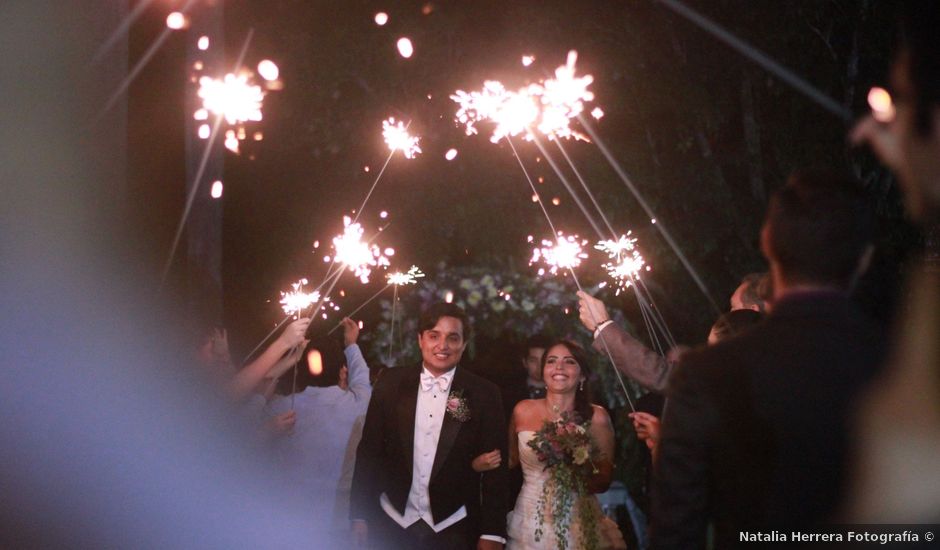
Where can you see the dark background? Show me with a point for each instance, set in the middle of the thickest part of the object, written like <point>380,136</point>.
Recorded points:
<point>705,134</point>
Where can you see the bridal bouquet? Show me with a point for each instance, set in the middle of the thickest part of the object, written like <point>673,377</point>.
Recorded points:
<point>569,452</point>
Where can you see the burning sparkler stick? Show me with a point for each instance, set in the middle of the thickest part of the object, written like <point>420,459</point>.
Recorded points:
<point>396,280</point>
<point>649,211</point>
<point>759,57</point>
<point>194,187</point>
<point>548,219</point>
<point>398,139</point>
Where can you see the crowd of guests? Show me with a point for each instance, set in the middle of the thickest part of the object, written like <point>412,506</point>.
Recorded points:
<point>798,412</point>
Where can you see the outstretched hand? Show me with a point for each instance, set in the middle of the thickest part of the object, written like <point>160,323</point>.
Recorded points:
<point>647,428</point>
<point>350,331</point>
<point>591,310</point>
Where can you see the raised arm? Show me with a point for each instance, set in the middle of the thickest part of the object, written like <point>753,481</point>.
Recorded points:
<point>248,378</point>
<point>355,362</point>
<point>631,357</point>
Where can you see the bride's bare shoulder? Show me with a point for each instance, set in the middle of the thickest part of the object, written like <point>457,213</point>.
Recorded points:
<point>526,413</point>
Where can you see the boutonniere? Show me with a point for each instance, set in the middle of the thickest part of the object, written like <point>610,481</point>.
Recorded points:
<point>457,406</point>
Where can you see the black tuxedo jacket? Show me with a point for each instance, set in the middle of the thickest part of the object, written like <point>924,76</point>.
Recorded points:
<point>756,429</point>
<point>384,460</point>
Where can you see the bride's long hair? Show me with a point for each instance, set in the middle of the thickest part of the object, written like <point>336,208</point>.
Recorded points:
<point>582,397</point>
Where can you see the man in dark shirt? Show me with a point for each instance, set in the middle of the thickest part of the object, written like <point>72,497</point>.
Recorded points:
<point>755,428</point>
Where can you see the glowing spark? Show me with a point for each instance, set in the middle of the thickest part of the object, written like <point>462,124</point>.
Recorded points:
<point>268,70</point>
<point>381,18</point>
<point>512,112</point>
<point>408,278</point>
<point>882,106</point>
<point>201,114</point>
<point>451,154</point>
<point>383,214</point>
<point>597,113</point>
<point>449,297</point>
<point>198,66</point>
<point>564,253</point>
<point>204,131</point>
<point>398,138</point>
<point>548,106</point>
<point>405,48</point>
<point>563,98</point>
<point>176,21</point>
<point>295,301</point>
<point>527,60</point>
<point>535,198</point>
<point>358,256</point>
<point>216,192</point>
<point>203,43</point>
<point>231,142</point>
<point>556,201</point>
<point>232,97</point>
<point>625,261</point>
<point>258,136</point>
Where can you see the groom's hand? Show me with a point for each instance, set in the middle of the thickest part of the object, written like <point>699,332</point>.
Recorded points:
<point>486,544</point>
<point>360,533</point>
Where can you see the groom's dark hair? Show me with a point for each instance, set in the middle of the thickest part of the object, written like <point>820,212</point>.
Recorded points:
<point>431,315</point>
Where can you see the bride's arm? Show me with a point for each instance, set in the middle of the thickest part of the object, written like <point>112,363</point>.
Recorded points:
<point>603,432</point>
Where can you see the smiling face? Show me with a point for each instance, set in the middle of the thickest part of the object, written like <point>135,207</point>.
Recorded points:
<point>443,345</point>
<point>561,371</point>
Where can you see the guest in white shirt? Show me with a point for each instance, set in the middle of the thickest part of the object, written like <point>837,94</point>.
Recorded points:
<point>333,394</point>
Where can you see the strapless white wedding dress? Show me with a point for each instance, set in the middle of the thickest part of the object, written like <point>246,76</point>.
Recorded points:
<point>522,522</point>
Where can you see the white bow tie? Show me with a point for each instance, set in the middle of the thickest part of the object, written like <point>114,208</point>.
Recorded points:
<point>428,382</point>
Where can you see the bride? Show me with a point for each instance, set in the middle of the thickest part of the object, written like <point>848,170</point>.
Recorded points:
<point>565,373</point>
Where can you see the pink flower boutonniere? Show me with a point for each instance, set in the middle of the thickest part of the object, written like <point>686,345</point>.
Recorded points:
<point>457,406</point>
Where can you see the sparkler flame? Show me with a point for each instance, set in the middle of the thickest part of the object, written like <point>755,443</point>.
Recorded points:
<point>625,263</point>
<point>408,278</point>
<point>359,256</point>
<point>295,301</point>
<point>398,139</point>
<point>563,253</point>
<point>548,106</point>
<point>233,97</point>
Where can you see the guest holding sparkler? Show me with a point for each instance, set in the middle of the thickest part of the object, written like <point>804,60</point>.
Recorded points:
<point>899,425</point>
<point>645,366</point>
<point>565,446</point>
<point>755,432</point>
<point>333,392</point>
<point>276,358</point>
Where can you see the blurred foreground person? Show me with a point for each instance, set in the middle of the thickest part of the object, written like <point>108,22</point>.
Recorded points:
<point>318,454</point>
<point>110,436</point>
<point>899,475</point>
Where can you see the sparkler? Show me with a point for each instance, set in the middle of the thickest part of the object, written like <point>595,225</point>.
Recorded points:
<point>360,257</point>
<point>409,277</point>
<point>625,263</point>
<point>233,97</point>
<point>548,106</point>
<point>563,253</point>
<point>882,106</point>
<point>296,300</point>
<point>398,139</point>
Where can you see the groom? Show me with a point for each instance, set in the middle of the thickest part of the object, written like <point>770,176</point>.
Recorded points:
<point>414,486</point>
